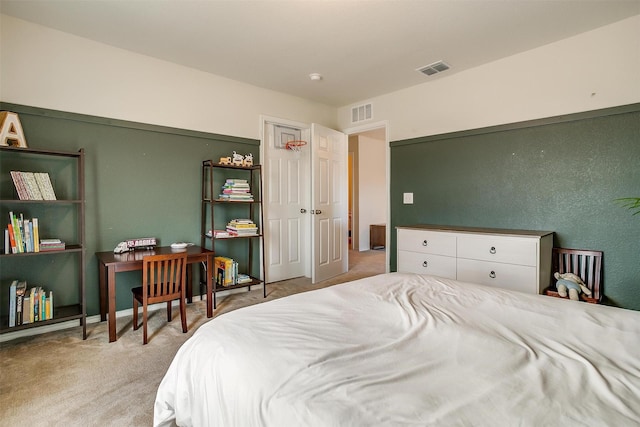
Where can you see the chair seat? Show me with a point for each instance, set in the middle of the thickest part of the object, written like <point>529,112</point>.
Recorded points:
<point>138,294</point>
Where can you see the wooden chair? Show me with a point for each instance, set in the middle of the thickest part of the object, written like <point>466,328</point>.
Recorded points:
<point>585,263</point>
<point>163,280</point>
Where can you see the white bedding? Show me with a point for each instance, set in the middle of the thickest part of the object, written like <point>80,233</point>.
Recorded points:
<point>402,349</point>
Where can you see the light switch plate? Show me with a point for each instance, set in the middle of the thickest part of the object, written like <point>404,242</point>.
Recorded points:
<point>407,198</point>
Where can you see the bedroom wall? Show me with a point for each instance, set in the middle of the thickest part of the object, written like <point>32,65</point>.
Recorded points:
<point>561,174</point>
<point>46,68</point>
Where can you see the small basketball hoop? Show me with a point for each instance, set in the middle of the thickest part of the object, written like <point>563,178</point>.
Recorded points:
<point>295,145</point>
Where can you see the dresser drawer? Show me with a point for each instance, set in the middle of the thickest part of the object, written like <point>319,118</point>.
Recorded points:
<point>428,242</point>
<point>521,278</point>
<point>511,250</point>
<point>435,265</point>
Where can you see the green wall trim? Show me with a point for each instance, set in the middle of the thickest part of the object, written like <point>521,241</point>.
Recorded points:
<point>622,109</point>
<point>64,115</point>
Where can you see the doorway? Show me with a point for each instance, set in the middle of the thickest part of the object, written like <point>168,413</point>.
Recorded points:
<point>369,188</point>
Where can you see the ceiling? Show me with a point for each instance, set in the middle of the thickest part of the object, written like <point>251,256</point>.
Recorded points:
<point>362,48</point>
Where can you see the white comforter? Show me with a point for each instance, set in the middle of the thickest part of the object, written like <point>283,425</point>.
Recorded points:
<point>403,349</point>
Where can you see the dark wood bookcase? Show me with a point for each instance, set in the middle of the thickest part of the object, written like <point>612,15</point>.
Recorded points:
<point>60,271</point>
<point>217,212</point>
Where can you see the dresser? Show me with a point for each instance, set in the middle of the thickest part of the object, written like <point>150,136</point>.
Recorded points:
<point>519,260</point>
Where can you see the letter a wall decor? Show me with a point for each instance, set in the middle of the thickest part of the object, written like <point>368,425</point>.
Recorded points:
<point>11,133</point>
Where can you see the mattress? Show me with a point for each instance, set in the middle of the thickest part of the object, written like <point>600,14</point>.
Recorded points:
<point>408,350</point>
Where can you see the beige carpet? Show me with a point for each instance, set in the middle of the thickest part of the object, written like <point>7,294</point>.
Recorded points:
<point>57,379</point>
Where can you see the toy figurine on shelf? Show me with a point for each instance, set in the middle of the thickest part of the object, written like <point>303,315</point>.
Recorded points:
<point>238,159</point>
<point>248,160</point>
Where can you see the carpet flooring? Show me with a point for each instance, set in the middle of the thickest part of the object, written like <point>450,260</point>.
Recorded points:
<point>58,379</point>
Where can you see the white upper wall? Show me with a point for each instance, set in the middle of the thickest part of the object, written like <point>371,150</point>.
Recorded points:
<point>47,68</point>
<point>372,197</point>
<point>597,69</point>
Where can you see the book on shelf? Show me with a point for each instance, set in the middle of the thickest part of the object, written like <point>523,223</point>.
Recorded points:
<point>218,234</point>
<point>21,291</point>
<point>29,306</point>
<point>12,303</point>
<point>23,234</point>
<point>242,227</point>
<point>40,304</point>
<point>44,183</point>
<point>225,270</point>
<point>236,190</point>
<point>27,310</point>
<point>33,185</point>
<point>243,278</point>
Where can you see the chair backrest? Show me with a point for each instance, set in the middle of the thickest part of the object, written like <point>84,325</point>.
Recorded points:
<point>584,263</point>
<point>164,275</point>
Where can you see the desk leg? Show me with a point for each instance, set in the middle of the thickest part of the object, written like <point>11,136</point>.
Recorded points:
<point>210,295</point>
<point>111,282</point>
<point>103,291</point>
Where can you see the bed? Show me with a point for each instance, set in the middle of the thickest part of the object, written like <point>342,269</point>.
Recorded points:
<point>408,350</point>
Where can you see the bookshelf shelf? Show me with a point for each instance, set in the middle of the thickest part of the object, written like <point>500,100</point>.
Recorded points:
<point>217,212</point>
<point>60,314</point>
<point>62,218</point>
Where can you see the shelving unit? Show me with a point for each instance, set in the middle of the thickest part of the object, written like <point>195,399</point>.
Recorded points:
<point>63,218</point>
<point>217,212</point>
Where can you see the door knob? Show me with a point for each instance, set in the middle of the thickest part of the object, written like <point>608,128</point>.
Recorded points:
<point>303,210</point>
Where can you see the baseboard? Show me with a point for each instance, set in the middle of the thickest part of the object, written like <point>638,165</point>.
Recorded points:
<point>96,318</point>
<point>75,323</point>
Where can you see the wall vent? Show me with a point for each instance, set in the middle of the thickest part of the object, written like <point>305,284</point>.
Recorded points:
<point>435,68</point>
<point>361,113</point>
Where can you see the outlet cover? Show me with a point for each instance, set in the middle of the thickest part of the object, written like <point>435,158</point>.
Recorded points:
<point>407,198</point>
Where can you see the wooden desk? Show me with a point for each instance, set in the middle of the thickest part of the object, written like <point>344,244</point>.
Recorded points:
<point>109,264</point>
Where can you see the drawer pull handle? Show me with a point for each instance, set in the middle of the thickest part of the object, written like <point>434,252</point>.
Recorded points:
<point>424,242</point>
<point>492,250</point>
<point>424,263</point>
<point>492,274</point>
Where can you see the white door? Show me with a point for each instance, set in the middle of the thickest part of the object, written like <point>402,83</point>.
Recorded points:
<point>287,200</point>
<point>330,204</point>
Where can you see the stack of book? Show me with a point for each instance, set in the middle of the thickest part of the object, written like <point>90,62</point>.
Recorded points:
<point>33,185</point>
<point>236,190</point>
<point>218,234</point>
<point>22,235</point>
<point>30,306</point>
<point>242,227</point>
<point>51,245</point>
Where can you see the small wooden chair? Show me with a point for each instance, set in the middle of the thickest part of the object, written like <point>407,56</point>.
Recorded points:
<point>584,263</point>
<point>163,280</point>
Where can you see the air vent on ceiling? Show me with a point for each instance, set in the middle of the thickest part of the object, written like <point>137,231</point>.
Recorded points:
<point>361,112</point>
<point>435,68</point>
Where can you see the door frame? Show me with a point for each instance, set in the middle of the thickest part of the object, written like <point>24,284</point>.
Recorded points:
<point>374,126</point>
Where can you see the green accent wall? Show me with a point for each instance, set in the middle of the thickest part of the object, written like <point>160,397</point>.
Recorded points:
<point>560,174</point>
<point>141,180</point>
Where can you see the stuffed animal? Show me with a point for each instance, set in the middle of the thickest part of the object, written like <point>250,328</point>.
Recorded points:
<point>572,283</point>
